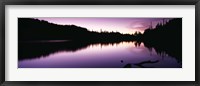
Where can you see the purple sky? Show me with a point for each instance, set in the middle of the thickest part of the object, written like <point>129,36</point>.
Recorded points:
<point>122,25</point>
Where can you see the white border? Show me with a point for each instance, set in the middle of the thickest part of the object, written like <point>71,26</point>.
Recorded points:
<point>187,73</point>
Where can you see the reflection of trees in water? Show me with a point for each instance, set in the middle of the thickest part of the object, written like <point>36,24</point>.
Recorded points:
<point>137,44</point>
<point>161,49</point>
<point>36,50</point>
<point>28,50</point>
<point>165,50</point>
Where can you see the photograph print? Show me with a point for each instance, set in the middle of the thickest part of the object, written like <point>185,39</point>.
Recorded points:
<point>99,42</point>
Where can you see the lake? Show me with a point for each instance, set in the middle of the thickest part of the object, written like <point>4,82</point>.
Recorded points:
<point>66,54</point>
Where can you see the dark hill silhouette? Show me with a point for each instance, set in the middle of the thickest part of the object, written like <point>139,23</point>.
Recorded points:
<point>34,29</point>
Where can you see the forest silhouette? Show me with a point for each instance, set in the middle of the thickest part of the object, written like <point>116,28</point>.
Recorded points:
<point>34,29</point>
<point>165,38</point>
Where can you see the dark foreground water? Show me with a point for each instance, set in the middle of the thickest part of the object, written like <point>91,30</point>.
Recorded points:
<point>61,54</point>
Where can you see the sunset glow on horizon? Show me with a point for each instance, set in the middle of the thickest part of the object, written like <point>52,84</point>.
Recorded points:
<point>122,25</point>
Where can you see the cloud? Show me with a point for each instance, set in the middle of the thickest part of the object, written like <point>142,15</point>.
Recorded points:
<point>139,25</point>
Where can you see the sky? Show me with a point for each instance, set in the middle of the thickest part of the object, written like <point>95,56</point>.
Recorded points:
<point>122,25</point>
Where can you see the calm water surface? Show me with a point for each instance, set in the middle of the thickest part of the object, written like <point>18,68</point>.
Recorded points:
<point>113,55</point>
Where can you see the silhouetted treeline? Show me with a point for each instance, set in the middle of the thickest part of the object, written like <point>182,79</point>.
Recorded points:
<point>34,29</point>
<point>165,38</point>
